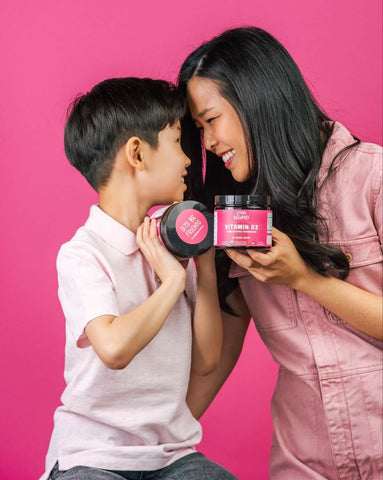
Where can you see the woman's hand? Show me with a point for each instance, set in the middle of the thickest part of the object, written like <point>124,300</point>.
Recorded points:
<point>281,265</point>
<point>162,261</point>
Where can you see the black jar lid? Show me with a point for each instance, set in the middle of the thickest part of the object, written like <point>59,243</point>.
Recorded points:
<point>242,200</point>
<point>172,239</point>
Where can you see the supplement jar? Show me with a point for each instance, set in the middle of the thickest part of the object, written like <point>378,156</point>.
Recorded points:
<point>185,228</point>
<point>242,221</point>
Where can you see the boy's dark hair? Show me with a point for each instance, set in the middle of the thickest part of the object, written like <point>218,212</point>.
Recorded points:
<point>101,121</point>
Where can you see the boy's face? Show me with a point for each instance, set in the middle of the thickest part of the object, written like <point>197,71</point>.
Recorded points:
<point>166,167</point>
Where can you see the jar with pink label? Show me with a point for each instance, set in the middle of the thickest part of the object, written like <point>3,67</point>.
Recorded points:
<point>242,221</point>
<point>185,228</point>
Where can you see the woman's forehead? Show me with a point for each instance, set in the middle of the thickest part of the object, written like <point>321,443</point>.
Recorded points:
<point>202,95</point>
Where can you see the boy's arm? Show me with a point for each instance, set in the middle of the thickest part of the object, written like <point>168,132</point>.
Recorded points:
<point>117,340</point>
<point>207,320</point>
<point>203,389</point>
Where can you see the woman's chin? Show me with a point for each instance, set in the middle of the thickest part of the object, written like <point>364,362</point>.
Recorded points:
<point>240,177</point>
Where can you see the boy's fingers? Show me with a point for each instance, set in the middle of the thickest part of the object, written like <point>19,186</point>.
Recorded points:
<point>139,236</point>
<point>153,230</point>
<point>145,229</point>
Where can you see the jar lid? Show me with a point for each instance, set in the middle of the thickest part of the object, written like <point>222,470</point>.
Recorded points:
<point>242,200</point>
<point>187,228</point>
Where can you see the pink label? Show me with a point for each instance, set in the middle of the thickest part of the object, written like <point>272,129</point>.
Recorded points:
<point>243,228</point>
<point>191,226</point>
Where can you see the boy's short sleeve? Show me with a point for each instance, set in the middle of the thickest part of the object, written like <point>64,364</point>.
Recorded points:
<point>86,289</point>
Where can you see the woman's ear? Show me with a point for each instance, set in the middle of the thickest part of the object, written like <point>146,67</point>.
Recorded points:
<point>134,153</point>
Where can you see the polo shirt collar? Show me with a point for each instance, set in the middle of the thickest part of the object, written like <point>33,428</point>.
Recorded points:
<point>339,139</point>
<point>111,231</point>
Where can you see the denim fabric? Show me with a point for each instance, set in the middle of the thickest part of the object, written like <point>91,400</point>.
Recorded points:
<point>191,467</point>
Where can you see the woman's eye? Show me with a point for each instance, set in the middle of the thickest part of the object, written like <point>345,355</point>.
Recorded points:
<point>178,140</point>
<point>209,120</point>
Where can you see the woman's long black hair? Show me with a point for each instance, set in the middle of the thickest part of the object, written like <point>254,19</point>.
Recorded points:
<point>286,134</point>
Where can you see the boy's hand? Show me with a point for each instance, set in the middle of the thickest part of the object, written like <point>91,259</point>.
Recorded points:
<point>162,261</point>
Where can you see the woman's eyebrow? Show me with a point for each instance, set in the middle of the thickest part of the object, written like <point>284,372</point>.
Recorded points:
<point>204,111</point>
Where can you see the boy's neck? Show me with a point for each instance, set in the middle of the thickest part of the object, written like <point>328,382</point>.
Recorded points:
<point>123,207</point>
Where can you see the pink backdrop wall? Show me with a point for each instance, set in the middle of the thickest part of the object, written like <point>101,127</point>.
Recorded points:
<point>50,51</point>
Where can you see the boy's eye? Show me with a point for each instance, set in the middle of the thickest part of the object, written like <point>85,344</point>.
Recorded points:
<point>209,120</point>
<point>178,140</point>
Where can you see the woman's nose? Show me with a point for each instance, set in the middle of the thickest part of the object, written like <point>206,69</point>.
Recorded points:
<point>187,161</point>
<point>209,140</point>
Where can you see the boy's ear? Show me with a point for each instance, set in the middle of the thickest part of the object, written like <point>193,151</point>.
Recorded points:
<point>134,152</point>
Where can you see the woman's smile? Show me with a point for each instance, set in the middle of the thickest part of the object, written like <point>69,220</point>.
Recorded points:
<point>222,129</point>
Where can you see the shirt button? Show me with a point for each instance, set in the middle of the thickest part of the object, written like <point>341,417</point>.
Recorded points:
<point>349,257</point>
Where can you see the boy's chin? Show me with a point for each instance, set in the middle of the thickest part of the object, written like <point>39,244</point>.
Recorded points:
<point>178,198</point>
<point>169,201</point>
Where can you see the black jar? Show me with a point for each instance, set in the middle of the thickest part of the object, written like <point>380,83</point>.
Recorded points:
<point>185,228</point>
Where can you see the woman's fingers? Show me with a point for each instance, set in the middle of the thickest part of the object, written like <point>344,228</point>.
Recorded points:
<point>242,259</point>
<point>265,259</point>
<point>253,258</point>
<point>281,264</point>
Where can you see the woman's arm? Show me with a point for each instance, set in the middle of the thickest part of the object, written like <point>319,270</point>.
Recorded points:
<point>359,308</point>
<point>283,265</point>
<point>203,389</point>
<point>207,320</point>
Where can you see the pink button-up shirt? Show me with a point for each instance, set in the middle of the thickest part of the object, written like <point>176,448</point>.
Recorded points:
<point>327,405</point>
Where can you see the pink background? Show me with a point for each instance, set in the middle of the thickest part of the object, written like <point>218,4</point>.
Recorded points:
<point>51,51</point>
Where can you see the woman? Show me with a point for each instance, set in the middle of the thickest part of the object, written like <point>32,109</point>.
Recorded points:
<point>315,296</point>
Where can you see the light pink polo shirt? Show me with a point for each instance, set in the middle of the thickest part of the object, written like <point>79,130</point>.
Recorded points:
<point>327,406</point>
<point>130,419</point>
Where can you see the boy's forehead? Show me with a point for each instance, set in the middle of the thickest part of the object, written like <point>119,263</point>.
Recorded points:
<point>170,130</point>
<point>176,126</point>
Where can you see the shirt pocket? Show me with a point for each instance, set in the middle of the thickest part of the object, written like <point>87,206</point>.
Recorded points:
<point>272,307</point>
<point>364,256</point>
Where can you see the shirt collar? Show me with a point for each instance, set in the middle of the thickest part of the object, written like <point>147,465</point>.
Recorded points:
<point>339,139</point>
<point>111,231</point>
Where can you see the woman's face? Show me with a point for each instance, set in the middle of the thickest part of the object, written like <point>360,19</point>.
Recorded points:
<point>222,130</point>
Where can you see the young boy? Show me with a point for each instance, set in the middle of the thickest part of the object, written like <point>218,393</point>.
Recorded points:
<point>137,321</point>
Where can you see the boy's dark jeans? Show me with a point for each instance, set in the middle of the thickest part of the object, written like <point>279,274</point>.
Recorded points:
<point>191,467</point>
